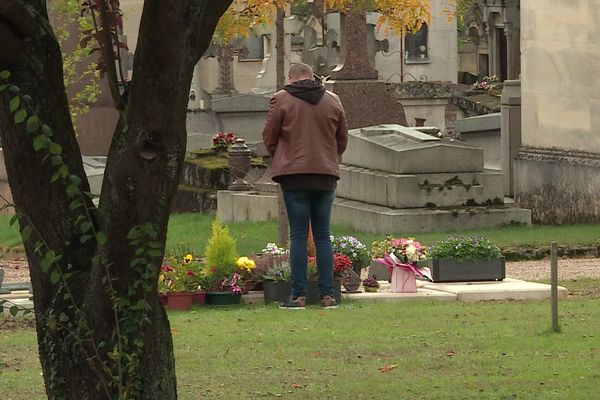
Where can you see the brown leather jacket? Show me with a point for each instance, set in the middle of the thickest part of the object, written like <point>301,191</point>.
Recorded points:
<point>304,138</point>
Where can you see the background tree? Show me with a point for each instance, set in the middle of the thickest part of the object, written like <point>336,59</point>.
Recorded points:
<point>94,269</point>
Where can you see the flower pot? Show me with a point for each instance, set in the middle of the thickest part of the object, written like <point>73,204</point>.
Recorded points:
<point>181,301</point>
<point>199,298</point>
<point>276,292</point>
<point>313,296</point>
<point>370,289</point>
<point>450,270</point>
<point>381,271</point>
<point>247,286</point>
<point>223,298</point>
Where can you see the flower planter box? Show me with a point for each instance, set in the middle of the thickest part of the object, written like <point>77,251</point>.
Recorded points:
<point>278,292</point>
<point>450,270</point>
<point>181,301</point>
<point>199,298</point>
<point>223,298</point>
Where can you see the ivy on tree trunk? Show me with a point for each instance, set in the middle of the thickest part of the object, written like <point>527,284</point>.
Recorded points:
<point>102,333</point>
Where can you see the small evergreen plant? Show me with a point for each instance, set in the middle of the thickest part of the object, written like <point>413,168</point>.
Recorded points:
<point>221,252</point>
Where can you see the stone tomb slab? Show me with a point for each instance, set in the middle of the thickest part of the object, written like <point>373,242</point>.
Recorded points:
<point>419,190</point>
<point>508,289</point>
<point>403,150</point>
<point>379,219</point>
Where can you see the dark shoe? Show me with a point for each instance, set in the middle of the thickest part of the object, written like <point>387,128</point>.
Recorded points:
<point>294,303</point>
<point>329,302</point>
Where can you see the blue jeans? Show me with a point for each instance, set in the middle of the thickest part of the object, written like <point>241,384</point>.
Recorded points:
<point>314,206</point>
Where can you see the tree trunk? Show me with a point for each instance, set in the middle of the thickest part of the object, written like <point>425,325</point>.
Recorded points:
<point>102,318</point>
<point>279,47</point>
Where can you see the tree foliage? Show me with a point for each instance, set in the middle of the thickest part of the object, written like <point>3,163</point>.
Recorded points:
<point>397,16</point>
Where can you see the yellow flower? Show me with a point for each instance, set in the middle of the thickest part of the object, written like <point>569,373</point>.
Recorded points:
<point>246,264</point>
<point>188,259</point>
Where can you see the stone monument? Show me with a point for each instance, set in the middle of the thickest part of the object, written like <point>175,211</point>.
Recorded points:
<point>356,82</point>
<point>396,179</point>
<point>400,179</point>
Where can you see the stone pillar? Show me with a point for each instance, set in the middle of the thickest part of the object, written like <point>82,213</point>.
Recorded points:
<point>510,132</point>
<point>513,39</point>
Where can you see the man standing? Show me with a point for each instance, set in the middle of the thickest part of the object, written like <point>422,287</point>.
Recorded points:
<point>306,133</point>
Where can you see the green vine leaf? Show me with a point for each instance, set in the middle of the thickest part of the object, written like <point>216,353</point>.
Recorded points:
<point>4,74</point>
<point>14,310</point>
<point>85,238</point>
<point>101,238</point>
<point>20,116</point>
<point>14,103</point>
<point>85,226</point>
<point>55,149</point>
<point>54,277</point>
<point>134,234</point>
<point>13,219</point>
<point>3,87</point>
<point>155,253</point>
<point>33,124</point>
<point>26,233</point>
<point>39,142</point>
<point>46,130</point>
<point>72,190</point>
<point>57,160</point>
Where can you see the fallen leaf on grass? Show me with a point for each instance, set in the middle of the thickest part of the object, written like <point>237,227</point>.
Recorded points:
<point>450,353</point>
<point>297,386</point>
<point>388,368</point>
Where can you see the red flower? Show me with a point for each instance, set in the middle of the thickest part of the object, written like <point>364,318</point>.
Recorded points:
<point>341,262</point>
<point>191,273</point>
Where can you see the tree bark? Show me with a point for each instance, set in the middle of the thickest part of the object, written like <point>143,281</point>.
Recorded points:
<point>279,47</point>
<point>142,173</point>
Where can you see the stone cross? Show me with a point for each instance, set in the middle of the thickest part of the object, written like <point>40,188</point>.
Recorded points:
<point>354,56</point>
<point>225,59</point>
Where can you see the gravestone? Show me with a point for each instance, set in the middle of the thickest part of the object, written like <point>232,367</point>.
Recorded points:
<point>407,179</point>
<point>354,56</point>
<point>364,97</point>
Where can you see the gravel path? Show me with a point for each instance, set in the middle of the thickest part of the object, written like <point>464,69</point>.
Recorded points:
<point>16,270</point>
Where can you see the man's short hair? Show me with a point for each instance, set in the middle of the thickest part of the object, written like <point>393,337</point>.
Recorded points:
<point>300,70</point>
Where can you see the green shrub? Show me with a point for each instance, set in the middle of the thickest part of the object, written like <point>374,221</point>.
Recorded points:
<point>465,248</point>
<point>221,252</point>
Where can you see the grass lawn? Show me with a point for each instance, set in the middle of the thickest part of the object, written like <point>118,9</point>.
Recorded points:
<point>432,350</point>
<point>193,230</point>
